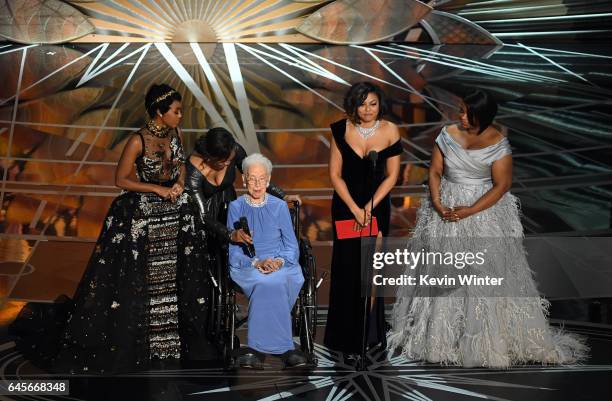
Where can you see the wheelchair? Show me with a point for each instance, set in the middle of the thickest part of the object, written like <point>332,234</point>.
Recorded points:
<point>303,315</point>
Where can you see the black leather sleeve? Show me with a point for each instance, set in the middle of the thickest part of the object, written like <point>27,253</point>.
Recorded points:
<point>193,181</point>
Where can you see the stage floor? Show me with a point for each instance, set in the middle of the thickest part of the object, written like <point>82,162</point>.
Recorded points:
<point>388,378</point>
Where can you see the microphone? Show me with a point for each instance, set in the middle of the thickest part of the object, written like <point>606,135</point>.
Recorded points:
<point>373,156</point>
<point>244,225</point>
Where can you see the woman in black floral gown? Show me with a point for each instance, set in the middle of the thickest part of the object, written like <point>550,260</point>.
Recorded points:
<point>142,296</point>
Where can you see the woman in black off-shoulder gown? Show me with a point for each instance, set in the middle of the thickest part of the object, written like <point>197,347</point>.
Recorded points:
<point>351,176</point>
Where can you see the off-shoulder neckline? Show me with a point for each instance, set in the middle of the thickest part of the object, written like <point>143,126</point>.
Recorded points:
<point>471,150</point>
<point>366,155</point>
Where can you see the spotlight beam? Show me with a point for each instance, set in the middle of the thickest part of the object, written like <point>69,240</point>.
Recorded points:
<point>254,52</point>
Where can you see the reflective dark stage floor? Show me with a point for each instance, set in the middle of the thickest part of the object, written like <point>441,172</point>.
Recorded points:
<point>388,377</point>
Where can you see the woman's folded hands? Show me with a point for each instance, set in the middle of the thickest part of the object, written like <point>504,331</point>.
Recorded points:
<point>269,265</point>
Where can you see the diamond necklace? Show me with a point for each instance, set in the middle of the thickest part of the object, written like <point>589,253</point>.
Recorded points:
<point>368,132</point>
<point>160,132</point>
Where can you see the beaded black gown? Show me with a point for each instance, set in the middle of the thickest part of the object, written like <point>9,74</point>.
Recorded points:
<point>142,295</point>
<point>345,316</point>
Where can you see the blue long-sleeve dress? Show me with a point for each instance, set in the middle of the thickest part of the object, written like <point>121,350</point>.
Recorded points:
<point>271,296</point>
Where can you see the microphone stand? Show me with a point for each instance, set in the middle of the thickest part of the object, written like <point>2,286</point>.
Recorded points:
<point>373,156</point>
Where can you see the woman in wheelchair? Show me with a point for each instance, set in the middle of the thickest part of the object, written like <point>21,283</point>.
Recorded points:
<point>267,270</point>
<point>210,176</point>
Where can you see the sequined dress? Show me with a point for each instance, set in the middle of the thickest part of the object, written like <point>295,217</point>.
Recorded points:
<point>464,325</point>
<point>142,295</point>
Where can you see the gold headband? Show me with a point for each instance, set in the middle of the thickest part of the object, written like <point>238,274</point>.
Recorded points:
<point>164,96</point>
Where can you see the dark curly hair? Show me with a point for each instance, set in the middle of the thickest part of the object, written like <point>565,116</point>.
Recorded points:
<point>481,109</point>
<point>216,145</point>
<point>160,97</point>
<point>357,94</point>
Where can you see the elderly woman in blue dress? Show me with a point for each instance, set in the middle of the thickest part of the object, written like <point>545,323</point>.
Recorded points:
<point>272,277</point>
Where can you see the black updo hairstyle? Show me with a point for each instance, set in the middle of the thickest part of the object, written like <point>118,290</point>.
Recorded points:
<point>166,95</point>
<point>357,94</point>
<point>481,109</point>
<point>216,145</point>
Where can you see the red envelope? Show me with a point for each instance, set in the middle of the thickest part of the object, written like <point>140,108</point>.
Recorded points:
<point>344,229</point>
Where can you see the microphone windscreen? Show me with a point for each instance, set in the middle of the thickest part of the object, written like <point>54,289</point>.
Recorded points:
<point>373,155</point>
<point>244,224</point>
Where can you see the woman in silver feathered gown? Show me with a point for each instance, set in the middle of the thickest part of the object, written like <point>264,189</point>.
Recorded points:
<point>469,205</point>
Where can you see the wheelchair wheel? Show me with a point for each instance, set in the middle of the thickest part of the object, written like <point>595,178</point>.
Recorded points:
<point>305,313</point>
<point>229,352</point>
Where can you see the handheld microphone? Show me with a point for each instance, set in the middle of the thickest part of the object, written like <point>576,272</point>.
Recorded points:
<point>244,225</point>
<point>373,156</point>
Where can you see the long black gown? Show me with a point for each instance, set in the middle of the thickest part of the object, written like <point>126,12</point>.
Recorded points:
<point>345,316</point>
<point>142,295</point>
